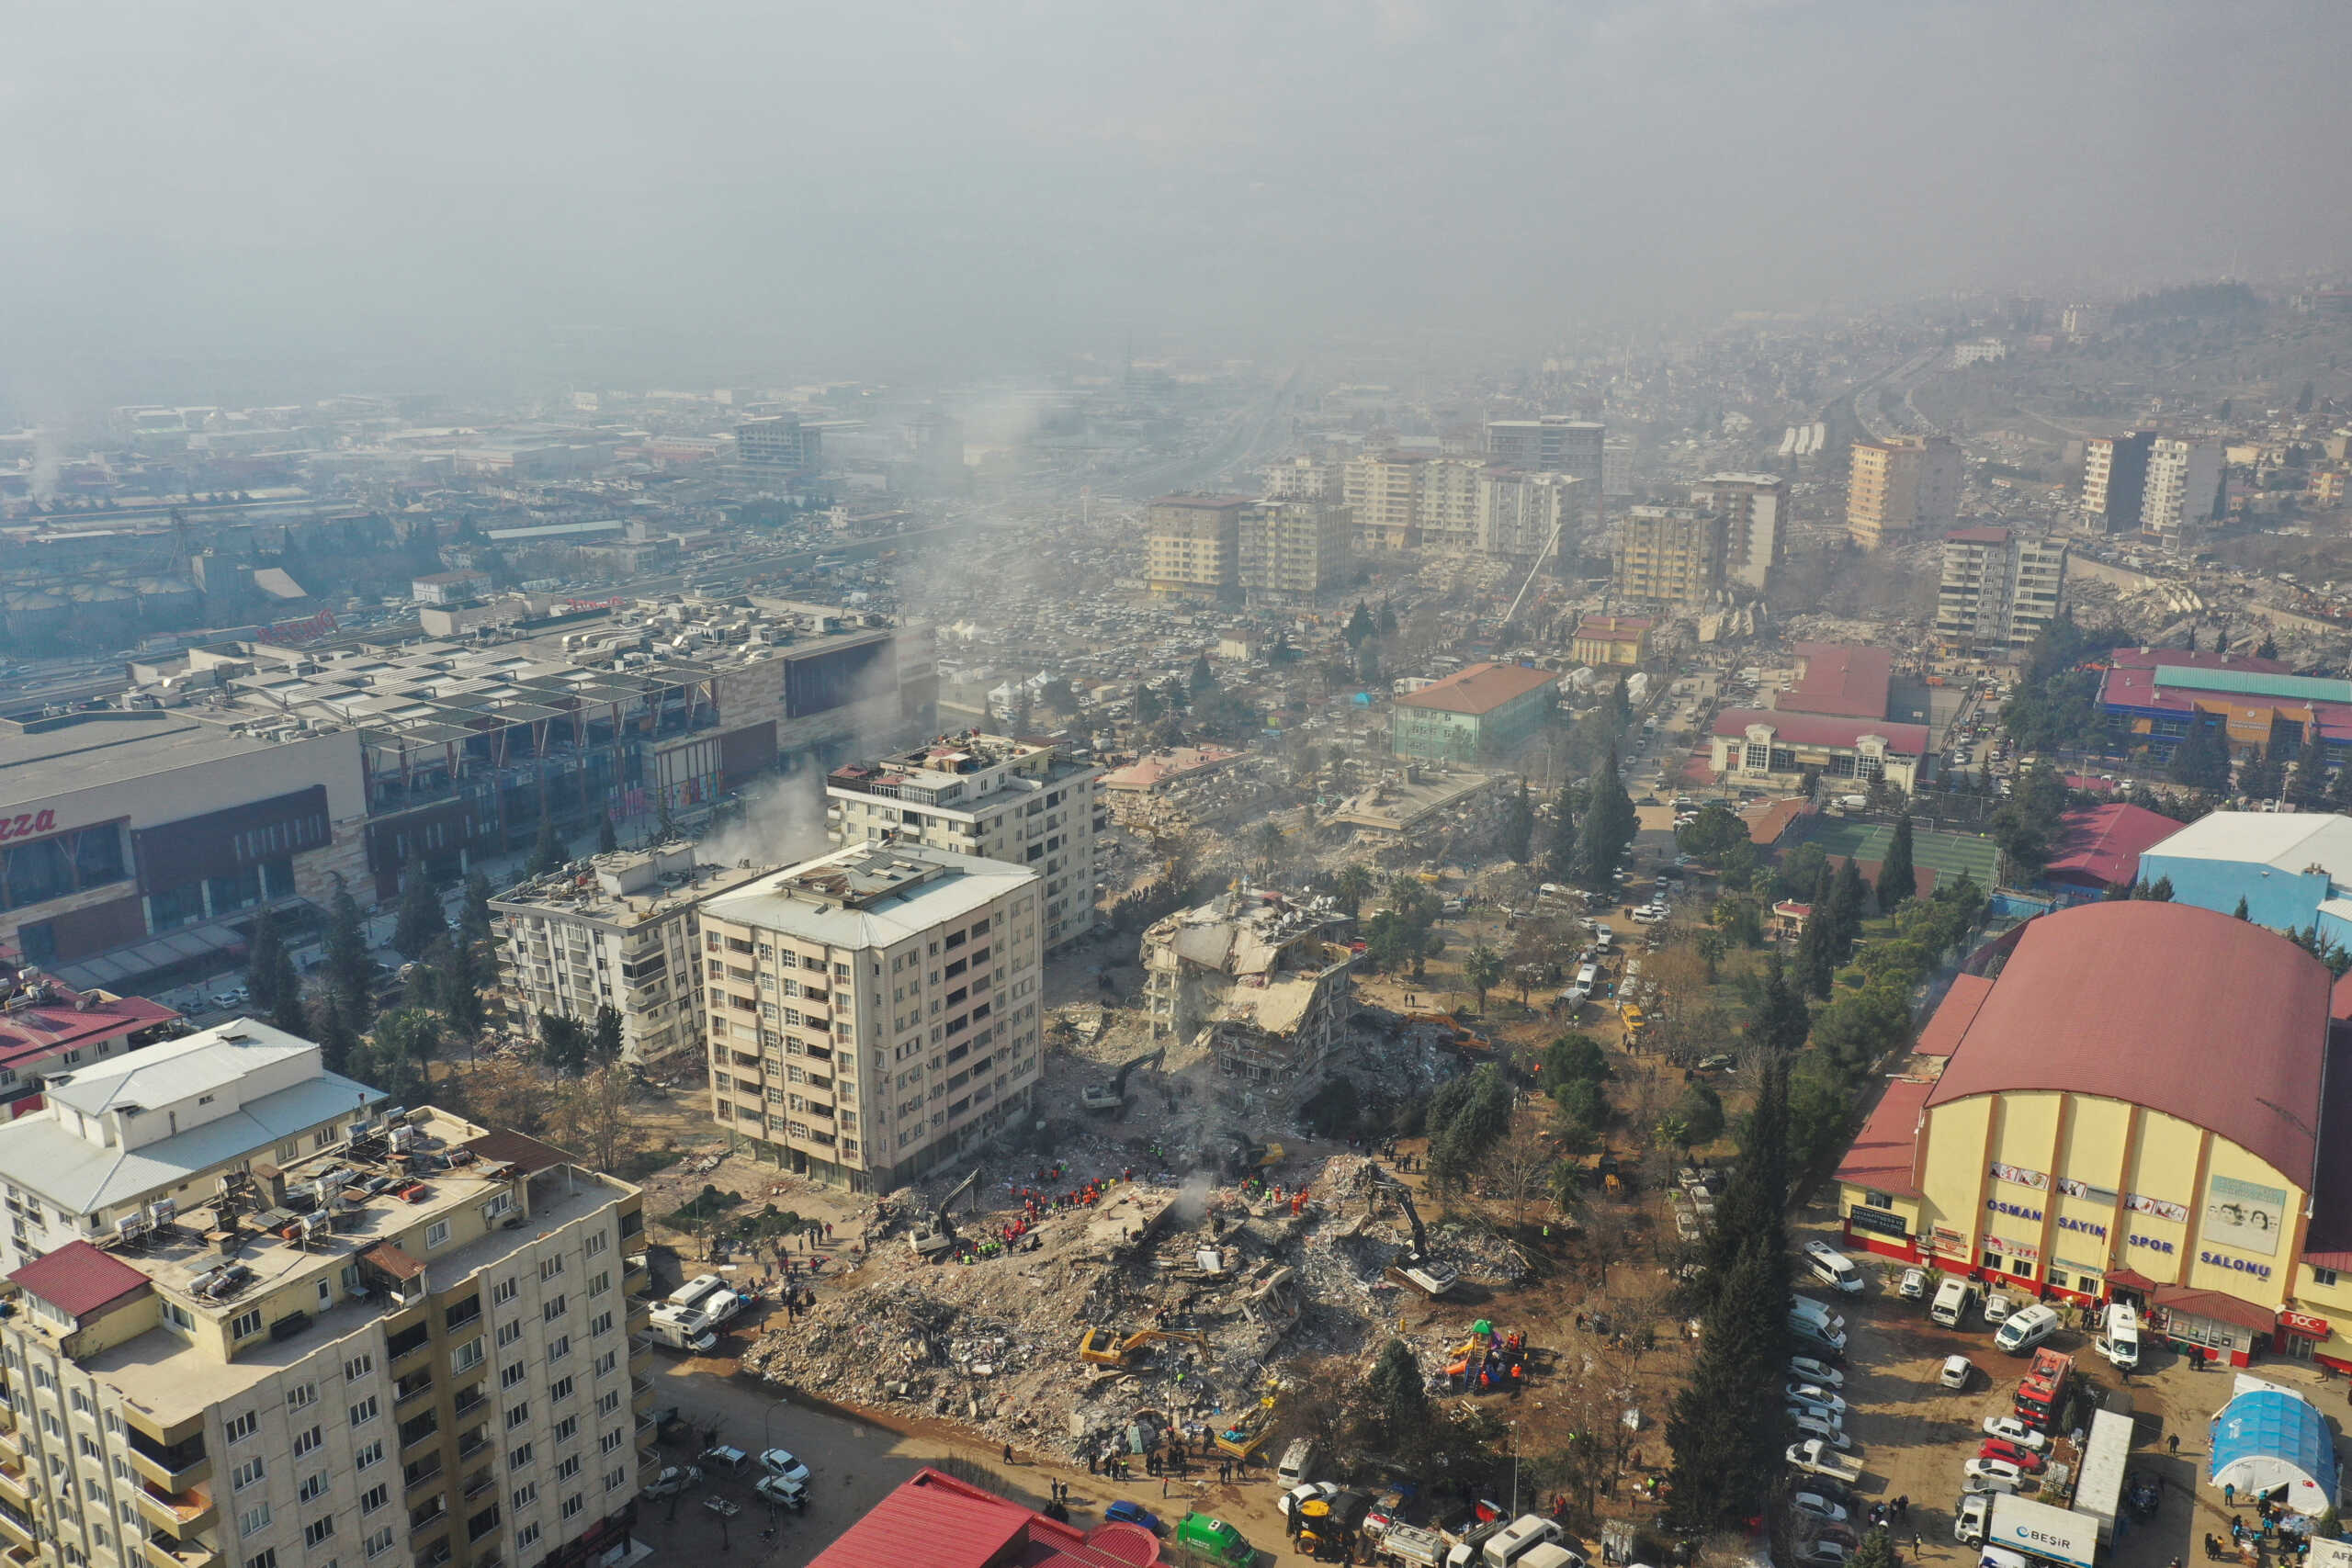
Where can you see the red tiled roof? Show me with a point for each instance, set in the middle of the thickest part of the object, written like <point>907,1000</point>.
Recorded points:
<point>2103,843</point>
<point>1839,680</point>
<point>2115,999</point>
<point>40,1029</point>
<point>939,1522</point>
<point>1953,1015</point>
<point>1884,1150</point>
<point>2218,1305</point>
<point>2177,659</point>
<point>1482,688</point>
<point>78,1280</point>
<point>1767,822</point>
<point>1822,729</point>
<point>2339,1002</point>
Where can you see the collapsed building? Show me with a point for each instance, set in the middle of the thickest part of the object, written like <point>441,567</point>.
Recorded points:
<point>1252,982</point>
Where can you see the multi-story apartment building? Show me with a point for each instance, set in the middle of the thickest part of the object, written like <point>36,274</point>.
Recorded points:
<point>1383,494</point>
<point>1669,555</point>
<point>1523,514</point>
<point>268,1322</point>
<point>1755,540</point>
<point>1192,544</point>
<point>1292,550</point>
<point>874,1013</point>
<point>989,796</point>
<point>1447,505</point>
<point>1901,485</point>
<point>2183,490</point>
<point>1999,589</point>
<point>1617,465</point>
<point>2115,481</point>
<point>782,439</point>
<point>1301,478</point>
<point>1552,445</point>
<point>621,936</point>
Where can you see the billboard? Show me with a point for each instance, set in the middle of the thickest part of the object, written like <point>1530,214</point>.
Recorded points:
<point>2060,1535</point>
<point>2245,1215</point>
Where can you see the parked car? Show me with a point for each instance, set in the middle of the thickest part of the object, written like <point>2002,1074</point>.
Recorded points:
<point>1913,1287</point>
<point>781,1493</point>
<point>1822,1555</point>
<point>672,1480</point>
<point>1132,1512</point>
<point>2027,1460</point>
<point>1297,1496</point>
<point>1830,1432</point>
<point>1997,1308</point>
<point>1983,1469</point>
<point>1813,1396</point>
<point>2009,1429</point>
<point>1815,1372</point>
<point>1815,1505</point>
<point>779,1463</point>
<point>1956,1372</point>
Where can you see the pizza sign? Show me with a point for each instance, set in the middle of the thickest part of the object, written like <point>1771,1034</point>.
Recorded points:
<point>25,824</point>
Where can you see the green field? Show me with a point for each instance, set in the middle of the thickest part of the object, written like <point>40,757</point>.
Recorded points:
<point>1946,854</point>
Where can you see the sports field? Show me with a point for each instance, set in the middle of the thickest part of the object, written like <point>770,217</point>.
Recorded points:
<point>1946,854</point>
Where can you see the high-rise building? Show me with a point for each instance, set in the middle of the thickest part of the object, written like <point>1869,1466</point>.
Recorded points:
<point>1292,550</point>
<point>1301,478</point>
<point>1383,491</point>
<point>622,937</point>
<point>1901,485</point>
<point>1999,589</point>
<point>1617,465</point>
<point>782,439</point>
<point>1525,514</point>
<point>1756,508</point>
<point>2115,481</point>
<point>262,1321</point>
<point>1669,555</point>
<point>2183,491</point>
<point>989,795</point>
<point>874,1011</point>
<point>1447,503</point>
<point>1192,543</point>
<point>1551,445</point>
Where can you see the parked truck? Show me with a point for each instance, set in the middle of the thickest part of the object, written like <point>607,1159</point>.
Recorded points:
<point>1813,1456</point>
<point>1409,1546</point>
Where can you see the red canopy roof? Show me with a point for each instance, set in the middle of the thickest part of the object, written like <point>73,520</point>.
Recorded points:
<point>2103,843</point>
<point>78,1280</point>
<point>1884,1151</point>
<point>939,1522</point>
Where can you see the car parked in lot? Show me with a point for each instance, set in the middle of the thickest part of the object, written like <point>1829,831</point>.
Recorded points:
<point>781,1463</point>
<point>1997,1308</point>
<point>1983,1469</point>
<point>2025,1459</point>
<point>1813,1504</point>
<point>1813,1396</point>
<point>1127,1512</point>
<point>672,1480</point>
<point>781,1493</point>
<point>1913,1287</point>
<point>1829,1431</point>
<point>1822,1555</point>
<point>2009,1429</point>
<point>1814,1372</point>
<point>1956,1372</point>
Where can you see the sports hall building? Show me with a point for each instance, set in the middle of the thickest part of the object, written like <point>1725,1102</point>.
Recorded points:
<point>2136,1105</point>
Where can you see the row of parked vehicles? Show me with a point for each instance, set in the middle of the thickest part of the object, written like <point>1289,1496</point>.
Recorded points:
<point>2020,1329</point>
<point>1323,1518</point>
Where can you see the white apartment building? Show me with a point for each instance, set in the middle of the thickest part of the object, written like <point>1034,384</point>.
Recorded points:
<point>874,1013</point>
<point>989,796</point>
<point>274,1324</point>
<point>1999,589</point>
<point>1292,550</point>
<point>1523,516</point>
<point>2183,484</point>
<point>620,935</point>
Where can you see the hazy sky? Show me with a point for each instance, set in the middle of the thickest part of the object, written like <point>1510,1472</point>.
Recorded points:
<point>696,192</point>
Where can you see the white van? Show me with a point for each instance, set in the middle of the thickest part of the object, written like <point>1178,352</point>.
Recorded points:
<point>1833,1268</point>
<point>1953,1298</point>
<point>696,1293</point>
<point>1814,1312</point>
<point>1296,1458</point>
<point>2120,1342</point>
<point>2025,1329</point>
<point>1509,1547</point>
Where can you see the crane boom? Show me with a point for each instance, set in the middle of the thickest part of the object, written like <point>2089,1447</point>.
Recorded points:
<point>1545,554</point>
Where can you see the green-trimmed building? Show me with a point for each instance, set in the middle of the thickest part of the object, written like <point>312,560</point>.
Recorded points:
<point>1481,714</point>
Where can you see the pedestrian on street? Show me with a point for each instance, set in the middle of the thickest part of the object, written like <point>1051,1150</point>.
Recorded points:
<point>2172,1443</point>
<point>1008,1453</point>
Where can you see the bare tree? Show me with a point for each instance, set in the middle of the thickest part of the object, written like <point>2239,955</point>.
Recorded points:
<point>1519,1171</point>
<point>594,1114</point>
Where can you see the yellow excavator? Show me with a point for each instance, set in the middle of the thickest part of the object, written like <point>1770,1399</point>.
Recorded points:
<point>1108,1347</point>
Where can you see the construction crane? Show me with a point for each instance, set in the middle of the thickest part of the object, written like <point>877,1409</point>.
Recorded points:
<point>936,1236</point>
<point>1113,1097</point>
<point>1415,1268</point>
<point>1545,554</point>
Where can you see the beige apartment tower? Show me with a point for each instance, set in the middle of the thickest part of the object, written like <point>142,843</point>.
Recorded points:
<point>1292,550</point>
<point>1192,544</point>
<point>1670,554</point>
<point>1900,486</point>
<point>296,1328</point>
<point>873,1013</point>
<point>1756,513</point>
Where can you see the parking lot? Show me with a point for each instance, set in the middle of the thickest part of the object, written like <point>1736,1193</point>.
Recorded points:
<point>1912,1435</point>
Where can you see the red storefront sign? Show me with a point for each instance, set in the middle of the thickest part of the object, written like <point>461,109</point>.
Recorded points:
<point>2309,1327</point>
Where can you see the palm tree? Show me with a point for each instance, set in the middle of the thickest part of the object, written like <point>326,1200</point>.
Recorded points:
<point>1480,971</point>
<point>1355,885</point>
<point>1267,842</point>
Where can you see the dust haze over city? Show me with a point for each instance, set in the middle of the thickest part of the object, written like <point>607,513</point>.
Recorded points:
<point>1368,758</point>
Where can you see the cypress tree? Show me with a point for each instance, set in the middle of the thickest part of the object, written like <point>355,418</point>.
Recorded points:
<point>1519,827</point>
<point>348,966</point>
<point>1780,1021</point>
<point>421,922</point>
<point>262,962</point>
<point>1896,879</point>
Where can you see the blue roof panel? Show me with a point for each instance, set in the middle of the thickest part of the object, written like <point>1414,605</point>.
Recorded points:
<point>2267,1438</point>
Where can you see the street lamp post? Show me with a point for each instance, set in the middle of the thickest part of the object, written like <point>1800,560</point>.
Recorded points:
<point>1514,1470</point>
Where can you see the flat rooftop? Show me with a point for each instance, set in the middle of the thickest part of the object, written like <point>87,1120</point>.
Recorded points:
<point>625,888</point>
<point>78,750</point>
<point>869,894</point>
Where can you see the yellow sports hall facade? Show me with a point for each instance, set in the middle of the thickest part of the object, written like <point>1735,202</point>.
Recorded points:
<point>2135,1103</point>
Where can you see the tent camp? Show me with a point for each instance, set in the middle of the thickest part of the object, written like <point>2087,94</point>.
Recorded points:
<point>2271,1440</point>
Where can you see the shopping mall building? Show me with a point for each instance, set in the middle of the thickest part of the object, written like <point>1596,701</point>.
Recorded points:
<point>2135,1103</point>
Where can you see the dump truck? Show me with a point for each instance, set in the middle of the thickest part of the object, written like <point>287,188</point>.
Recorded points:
<point>1108,1347</point>
<point>935,1237</point>
<point>1409,1546</point>
<point>1417,1268</point>
<point>1111,1097</point>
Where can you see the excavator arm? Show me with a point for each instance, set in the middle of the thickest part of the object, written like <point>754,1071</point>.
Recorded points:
<point>952,1194</point>
<point>1151,1059</point>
